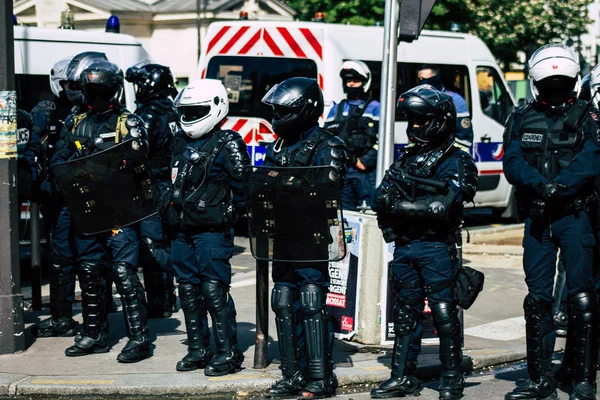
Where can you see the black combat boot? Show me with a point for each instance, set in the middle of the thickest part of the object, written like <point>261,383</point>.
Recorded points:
<point>135,312</point>
<point>229,358</point>
<point>198,354</point>
<point>95,329</point>
<point>583,310</point>
<point>540,335</point>
<point>322,382</point>
<point>403,382</point>
<point>447,325</point>
<point>293,381</point>
<point>62,295</point>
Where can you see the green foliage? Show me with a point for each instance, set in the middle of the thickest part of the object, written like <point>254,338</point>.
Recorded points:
<point>506,26</point>
<point>354,12</point>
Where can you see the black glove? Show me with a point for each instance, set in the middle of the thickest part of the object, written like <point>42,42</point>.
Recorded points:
<point>552,191</point>
<point>537,208</point>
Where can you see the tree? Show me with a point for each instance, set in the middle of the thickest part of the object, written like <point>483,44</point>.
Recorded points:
<point>353,12</point>
<point>506,26</point>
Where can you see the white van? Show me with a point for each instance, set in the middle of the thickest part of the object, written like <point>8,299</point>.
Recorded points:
<point>251,56</point>
<point>37,49</point>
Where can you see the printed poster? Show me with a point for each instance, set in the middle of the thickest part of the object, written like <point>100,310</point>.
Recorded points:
<point>8,124</point>
<point>342,299</point>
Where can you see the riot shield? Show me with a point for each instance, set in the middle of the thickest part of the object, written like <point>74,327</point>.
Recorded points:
<point>295,213</point>
<point>107,190</point>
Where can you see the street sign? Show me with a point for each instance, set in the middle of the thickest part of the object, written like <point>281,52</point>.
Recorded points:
<point>413,14</point>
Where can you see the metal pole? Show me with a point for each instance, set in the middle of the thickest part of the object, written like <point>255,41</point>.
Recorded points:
<point>385,156</point>
<point>262,314</point>
<point>12,338</point>
<point>198,28</point>
<point>36,257</point>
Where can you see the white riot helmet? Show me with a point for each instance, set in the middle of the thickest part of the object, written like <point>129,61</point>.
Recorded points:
<point>595,86</point>
<point>202,105</point>
<point>58,75</point>
<point>554,76</point>
<point>357,70</point>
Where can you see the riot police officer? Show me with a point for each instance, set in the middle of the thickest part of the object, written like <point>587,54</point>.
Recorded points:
<point>356,121</point>
<point>155,90</point>
<point>105,124</point>
<point>551,156</point>
<point>64,83</point>
<point>429,74</point>
<point>419,207</point>
<point>300,290</point>
<point>201,207</point>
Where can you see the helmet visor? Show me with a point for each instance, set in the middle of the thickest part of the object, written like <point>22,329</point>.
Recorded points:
<point>93,91</point>
<point>556,90</point>
<point>195,113</point>
<point>283,96</point>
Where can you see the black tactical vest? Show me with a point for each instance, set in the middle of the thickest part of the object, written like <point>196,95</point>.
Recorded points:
<point>201,198</point>
<point>94,132</point>
<point>548,150</point>
<point>303,156</point>
<point>356,139</point>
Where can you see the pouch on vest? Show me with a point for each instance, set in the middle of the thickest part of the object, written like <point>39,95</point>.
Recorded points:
<point>206,208</point>
<point>467,285</point>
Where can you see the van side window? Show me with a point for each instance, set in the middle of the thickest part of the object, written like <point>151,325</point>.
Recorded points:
<point>454,78</point>
<point>247,80</point>
<point>493,95</point>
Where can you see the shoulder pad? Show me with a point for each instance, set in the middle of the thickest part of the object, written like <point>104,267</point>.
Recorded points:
<point>227,135</point>
<point>45,105</point>
<point>335,141</point>
<point>136,127</point>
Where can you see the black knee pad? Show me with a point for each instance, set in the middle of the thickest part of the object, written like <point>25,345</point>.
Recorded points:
<point>189,296</point>
<point>404,316</point>
<point>90,273</point>
<point>125,278</point>
<point>282,298</point>
<point>584,306</point>
<point>445,318</point>
<point>535,307</point>
<point>312,299</point>
<point>215,295</point>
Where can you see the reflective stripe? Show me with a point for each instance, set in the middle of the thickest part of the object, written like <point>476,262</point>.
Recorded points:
<point>462,114</point>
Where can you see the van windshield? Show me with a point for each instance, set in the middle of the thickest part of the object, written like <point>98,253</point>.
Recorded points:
<point>248,79</point>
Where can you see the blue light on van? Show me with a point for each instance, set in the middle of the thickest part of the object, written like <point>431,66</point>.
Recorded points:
<point>113,25</point>
<point>15,22</point>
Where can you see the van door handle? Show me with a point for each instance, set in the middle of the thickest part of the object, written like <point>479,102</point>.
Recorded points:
<point>486,139</point>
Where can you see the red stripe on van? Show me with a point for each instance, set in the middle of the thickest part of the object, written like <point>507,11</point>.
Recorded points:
<point>250,43</point>
<point>272,45</point>
<point>217,37</point>
<point>239,124</point>
<point>291,42</point>
<point>234,39</point>
<point>313,41</point>
<point>203,75</point>
<point>491,172</point>
<point>321,81</point>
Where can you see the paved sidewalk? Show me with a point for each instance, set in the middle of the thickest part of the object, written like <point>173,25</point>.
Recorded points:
<point>494,334</point>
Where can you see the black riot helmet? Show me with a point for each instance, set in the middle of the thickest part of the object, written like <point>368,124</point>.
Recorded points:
<point>76,66</point>
<point>431,115</point>
<point>102,85</point>
<point>297,105</point>
<point>151,80</point>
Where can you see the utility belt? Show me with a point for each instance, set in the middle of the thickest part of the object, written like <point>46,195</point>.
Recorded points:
<point>537,208</point>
